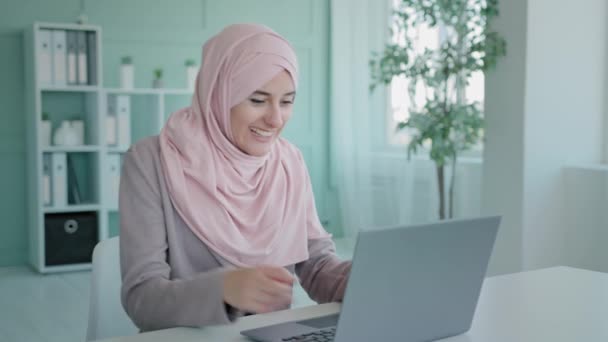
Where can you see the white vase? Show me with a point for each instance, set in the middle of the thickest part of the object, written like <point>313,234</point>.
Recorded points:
<point>65,135</point>
<point>70,137</point>
<point>191,73</point>
<point>59,135</point>
<point>78,128</point>
<point>45,133</point>
<point>127,72</point>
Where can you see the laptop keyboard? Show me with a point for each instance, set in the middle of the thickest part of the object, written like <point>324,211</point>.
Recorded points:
<point>325,335</point>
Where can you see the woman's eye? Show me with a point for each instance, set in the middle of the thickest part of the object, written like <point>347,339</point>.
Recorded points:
<point>256,101</point>
<point>287,102</point>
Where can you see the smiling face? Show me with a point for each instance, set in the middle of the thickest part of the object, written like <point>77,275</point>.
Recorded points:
<point>258,120</point>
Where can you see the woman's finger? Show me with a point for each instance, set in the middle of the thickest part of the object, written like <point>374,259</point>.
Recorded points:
<point>278,273</point>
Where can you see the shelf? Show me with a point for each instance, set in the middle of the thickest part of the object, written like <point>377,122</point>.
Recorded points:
<point>122,149</point>
<point>92,170</point>
<point>148,91</point>
<point>70,88</point>
<point>178,91</point>
<point>71,208</point>
<point>82,148</point>
<point>67,268</point>
<point>64,26</point>
<point>77,168</point>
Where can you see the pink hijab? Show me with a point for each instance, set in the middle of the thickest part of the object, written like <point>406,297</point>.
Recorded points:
<point>249,210</point>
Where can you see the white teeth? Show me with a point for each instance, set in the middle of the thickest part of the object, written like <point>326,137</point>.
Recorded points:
<point>261,132</point>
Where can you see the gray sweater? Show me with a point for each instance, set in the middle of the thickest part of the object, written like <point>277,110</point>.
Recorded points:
<point>169,277</point>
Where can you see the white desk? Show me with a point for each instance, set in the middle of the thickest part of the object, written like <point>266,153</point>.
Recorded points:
<point>551,305</point>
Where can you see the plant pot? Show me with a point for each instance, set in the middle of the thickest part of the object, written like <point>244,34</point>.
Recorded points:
<point>127,72</point>
<point>191,73</point>
<point>157,83</point>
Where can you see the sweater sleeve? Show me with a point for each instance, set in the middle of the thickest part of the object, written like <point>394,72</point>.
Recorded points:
<point>323,275</point>
<point>149,295</point>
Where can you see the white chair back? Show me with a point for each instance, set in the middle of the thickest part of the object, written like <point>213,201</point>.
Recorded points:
<point>107,317</point>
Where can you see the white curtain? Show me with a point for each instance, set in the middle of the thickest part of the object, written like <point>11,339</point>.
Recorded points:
<point>357,29</point>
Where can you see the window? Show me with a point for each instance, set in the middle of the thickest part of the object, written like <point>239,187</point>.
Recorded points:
<point>399,102</point>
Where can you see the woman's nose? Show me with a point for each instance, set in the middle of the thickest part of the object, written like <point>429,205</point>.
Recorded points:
<point>274,117</point>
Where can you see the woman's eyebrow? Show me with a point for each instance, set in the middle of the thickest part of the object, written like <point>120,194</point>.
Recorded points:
<point>265,93</point>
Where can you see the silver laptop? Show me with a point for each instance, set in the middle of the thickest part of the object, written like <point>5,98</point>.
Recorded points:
<point>407,283</point>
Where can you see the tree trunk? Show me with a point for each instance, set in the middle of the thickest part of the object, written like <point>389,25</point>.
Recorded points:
<point>441,187</point>
<point>452,181</point>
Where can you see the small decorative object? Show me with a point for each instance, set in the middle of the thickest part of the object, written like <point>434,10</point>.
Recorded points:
<point>191,73</point>
<point>78,128</point>
<point>45,130</point>
<point>59,135</point>
<point>158,78</point>
<point>127,71</point>
<point>65,135</point>
<point>82,19</point>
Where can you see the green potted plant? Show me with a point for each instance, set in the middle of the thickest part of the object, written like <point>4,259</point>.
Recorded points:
<point>127,72</point>
<point>447,123</point>
<point>191,72</point>
<point>157,82</point>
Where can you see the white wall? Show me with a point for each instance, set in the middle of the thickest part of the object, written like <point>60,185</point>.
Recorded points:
<point>586,196</point>
<point>502,186</point>
<point>545,109</point>
<point>564,108</point>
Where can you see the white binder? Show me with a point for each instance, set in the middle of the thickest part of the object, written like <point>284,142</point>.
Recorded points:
<point>81,43</point>
<point>46,180</point>
<point>113,177</point>
<point>59,179</point>
<point>111,130</point>
<point>59,57</point>
<point>111,122</point>
<point>45,57</point>
<point>72,50</point>
<point>123,117</point>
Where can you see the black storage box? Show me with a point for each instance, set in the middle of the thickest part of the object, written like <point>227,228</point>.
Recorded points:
<point>70,237</point>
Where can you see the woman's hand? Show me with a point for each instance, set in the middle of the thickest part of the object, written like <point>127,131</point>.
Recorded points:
<point>258,290</point>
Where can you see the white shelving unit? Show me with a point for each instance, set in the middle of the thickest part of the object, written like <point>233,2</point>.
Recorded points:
<point>149,110</point>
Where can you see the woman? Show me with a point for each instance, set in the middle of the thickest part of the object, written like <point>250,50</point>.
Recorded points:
<point>217,212</point>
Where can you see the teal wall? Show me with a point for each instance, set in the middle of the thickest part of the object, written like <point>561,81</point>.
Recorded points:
<point>160,33</point>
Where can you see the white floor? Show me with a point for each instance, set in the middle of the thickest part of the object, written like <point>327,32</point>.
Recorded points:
<point>54,307</point>
<point>36,307</point>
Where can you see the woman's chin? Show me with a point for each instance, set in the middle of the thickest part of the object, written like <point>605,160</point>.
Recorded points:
<point>259,148</point>
<point>258,151</point>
